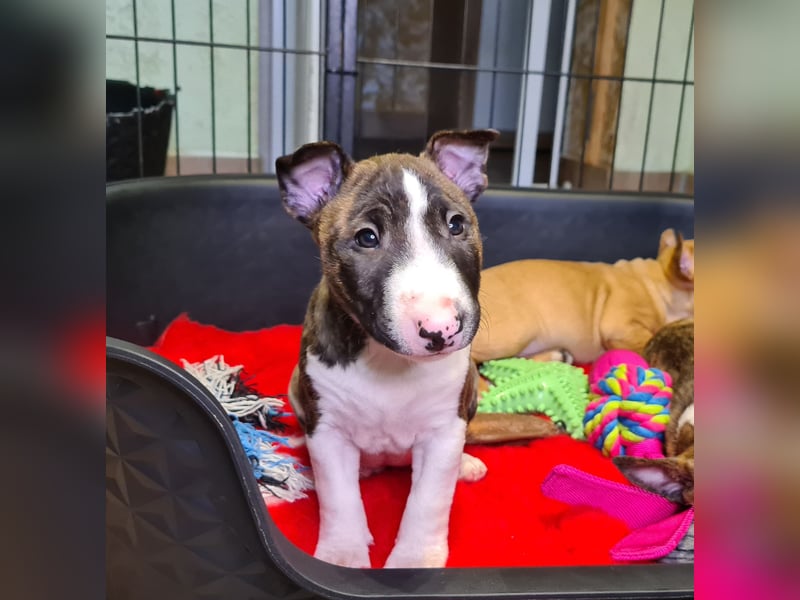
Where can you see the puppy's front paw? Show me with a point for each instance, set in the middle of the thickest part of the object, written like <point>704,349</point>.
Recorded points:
<point>343,553</point>
<point>472,469</point>
<point>408,556</point>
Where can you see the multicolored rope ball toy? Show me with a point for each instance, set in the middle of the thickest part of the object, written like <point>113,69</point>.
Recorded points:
<point>629,412</point>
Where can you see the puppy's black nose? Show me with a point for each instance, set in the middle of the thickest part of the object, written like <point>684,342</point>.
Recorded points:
<point>435,339</point>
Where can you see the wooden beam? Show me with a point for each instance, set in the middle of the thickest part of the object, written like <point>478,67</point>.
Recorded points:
<point>609,61</point>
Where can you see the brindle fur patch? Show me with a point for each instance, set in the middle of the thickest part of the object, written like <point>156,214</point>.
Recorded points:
<point>329,332</point>
<point>301,389</point>
<point>671,349</point>
<point>468,403</point>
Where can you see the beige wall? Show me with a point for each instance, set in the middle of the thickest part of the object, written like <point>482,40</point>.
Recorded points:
<point>666,97</point>
<point>194,68</point>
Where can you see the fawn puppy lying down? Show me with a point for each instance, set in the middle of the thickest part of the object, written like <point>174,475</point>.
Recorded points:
<point>531,307</point>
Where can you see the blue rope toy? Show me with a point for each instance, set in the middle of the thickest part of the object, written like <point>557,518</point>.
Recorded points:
<point>280,475</point>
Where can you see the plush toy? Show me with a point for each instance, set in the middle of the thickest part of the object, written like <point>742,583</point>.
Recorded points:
<point>661,530</point>
<point>519,385</point>
<point>629,412</point>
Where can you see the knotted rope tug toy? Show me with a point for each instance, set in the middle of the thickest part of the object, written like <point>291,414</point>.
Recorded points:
<point>280,475</point>
<point>630,412</point>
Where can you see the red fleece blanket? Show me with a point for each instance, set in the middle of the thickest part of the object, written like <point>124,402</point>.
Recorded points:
<point>502,520</point>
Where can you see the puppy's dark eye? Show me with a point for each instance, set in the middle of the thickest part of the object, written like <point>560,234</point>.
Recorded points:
<point>456,225</point>
<point>366,238</point>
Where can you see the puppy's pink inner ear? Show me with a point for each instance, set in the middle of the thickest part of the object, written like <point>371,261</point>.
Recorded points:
<point>686,264</point>
<point>656,479</point>
<point>668,240</point>
<point>310,185</point>
<point>463,165</point>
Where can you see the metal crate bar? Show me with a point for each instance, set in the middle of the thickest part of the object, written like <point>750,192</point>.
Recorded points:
<point>213,94</point>
<point>619,104</point>
<point>589,95</point>
<point>139,140</point>
<point>249,98</point>
<point>503,70</point>
<point>157,40</point>
<point>339,90</point>
<point>652,96</point>
<point>567,38</point>
<point>680,106</point>
<point>175,90</point>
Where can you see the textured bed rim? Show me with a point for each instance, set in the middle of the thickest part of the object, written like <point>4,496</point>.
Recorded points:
<point>615,582</point>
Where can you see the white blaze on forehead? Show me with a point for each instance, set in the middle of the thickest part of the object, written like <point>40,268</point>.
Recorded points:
<point>417,198</point>
<point>422,252</point>
<point>424,274</point>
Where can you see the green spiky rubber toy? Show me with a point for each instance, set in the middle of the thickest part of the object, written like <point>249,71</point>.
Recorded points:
<point>555,389</point>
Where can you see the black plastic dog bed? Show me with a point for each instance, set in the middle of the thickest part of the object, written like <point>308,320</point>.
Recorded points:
<point>185,518</point>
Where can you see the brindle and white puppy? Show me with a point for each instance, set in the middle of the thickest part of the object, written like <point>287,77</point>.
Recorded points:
<point>384,376</point>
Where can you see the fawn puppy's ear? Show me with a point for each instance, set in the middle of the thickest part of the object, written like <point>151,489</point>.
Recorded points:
<point>668,240</point>
<point>678,254</point>
<point>686,259</point>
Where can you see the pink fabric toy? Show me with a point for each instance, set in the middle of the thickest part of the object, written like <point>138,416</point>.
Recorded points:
<point>658,524</point>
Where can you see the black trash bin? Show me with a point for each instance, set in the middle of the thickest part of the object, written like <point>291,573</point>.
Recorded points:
<point>122,130</point>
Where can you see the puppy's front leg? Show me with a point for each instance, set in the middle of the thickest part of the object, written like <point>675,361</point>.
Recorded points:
<point>422,538</point>
<point>344,536</point>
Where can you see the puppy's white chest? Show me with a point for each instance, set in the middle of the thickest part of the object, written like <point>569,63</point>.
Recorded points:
<point>383,403</point>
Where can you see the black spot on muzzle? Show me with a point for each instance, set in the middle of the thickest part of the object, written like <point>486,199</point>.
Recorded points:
<point>436,341</point>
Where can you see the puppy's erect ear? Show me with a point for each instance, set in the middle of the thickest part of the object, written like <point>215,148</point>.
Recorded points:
<point>311,177</point>
<point>462,155</point>
<point>672,477</point>
<point>678,254</point>
<point>668,240</point>
<point>686,259</point>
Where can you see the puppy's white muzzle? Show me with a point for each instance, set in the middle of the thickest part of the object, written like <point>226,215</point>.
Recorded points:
<point>430,325</point>
<point>430,310</point>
